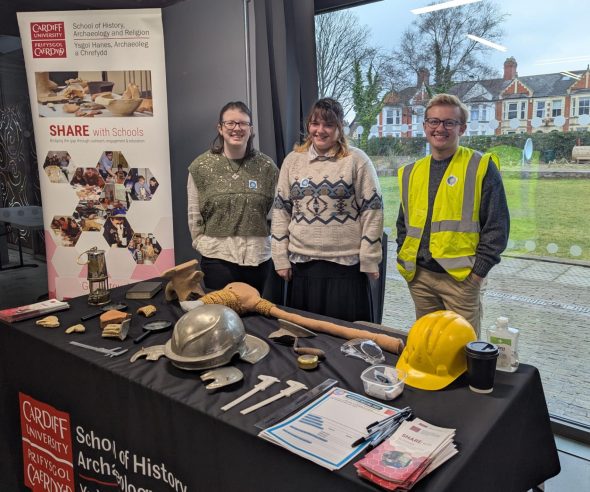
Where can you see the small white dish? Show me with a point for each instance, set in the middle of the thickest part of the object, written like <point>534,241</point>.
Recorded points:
<point>383,382</point>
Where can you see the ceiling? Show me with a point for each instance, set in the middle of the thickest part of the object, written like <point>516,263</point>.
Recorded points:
<point>9,8</point>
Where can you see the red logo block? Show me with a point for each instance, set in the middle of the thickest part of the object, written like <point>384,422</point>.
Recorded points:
<point>47,446</point>
<point>48,39</point>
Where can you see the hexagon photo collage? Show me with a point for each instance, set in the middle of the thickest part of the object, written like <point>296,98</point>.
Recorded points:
<point>105,191</point>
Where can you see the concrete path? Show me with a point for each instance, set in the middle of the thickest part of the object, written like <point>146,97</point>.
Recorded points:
<point>549,303</point>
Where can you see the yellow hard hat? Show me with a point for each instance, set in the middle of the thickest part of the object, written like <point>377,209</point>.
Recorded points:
<point>434,355</point>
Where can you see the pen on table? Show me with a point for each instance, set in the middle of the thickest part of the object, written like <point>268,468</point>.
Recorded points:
<point>364,439</point>
<point>379,434</point>
<point>379,431</point>
<point>383,436</point>
<point>401,415</point>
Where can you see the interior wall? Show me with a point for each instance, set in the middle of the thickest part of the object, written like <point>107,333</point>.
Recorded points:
<point>205,68</point>
<point>19,176</point>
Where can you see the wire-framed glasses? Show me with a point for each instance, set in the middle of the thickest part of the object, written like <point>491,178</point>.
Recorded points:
<point>230,124</point>
<point>448,124</point>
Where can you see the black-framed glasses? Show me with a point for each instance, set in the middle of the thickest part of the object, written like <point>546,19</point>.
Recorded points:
<point>448,124</point>
<point>230,124</point>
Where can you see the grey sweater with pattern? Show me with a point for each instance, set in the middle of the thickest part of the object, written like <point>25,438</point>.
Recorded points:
<point>328,208</point>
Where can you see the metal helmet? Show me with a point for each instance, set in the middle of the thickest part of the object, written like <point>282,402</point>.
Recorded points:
<point>434,355</point>
<point>209,336</point>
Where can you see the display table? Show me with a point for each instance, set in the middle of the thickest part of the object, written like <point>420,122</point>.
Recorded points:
<point>151,426</point>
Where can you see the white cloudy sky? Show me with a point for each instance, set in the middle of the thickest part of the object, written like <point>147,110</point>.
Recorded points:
<point>537,32</point>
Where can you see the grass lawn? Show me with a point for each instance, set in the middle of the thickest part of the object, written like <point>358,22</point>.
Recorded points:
<point>544,213</point>
<point>512,156</point>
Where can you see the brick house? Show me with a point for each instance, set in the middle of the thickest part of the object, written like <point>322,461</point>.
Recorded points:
<point>511,104</point>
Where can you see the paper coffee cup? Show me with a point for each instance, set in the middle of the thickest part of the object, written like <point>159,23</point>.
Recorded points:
<point>481,365</point>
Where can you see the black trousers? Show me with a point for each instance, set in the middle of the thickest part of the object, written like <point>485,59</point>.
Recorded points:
<point>219,273</point>
<point>327,288</point>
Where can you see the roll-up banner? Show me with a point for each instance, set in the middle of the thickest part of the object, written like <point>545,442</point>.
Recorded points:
<point>97,85</point>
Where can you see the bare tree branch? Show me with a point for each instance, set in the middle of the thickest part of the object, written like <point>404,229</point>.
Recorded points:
<point>438,41</point>
<point>340,41</point>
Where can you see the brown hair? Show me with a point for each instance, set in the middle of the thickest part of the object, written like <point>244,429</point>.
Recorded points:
<point>448,100</point>
<point>217,145</point>
<point>330,111</point>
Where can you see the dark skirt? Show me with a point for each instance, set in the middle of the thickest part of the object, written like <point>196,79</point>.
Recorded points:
<point>334,290</point>
<point>219,273</point>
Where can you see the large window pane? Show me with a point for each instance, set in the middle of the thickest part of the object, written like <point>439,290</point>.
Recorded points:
<point>533,90</point>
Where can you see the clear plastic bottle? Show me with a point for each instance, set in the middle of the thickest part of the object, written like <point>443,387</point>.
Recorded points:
<point>506,338</point>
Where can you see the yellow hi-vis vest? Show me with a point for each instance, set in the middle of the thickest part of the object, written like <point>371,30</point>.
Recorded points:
<point>455,226</point>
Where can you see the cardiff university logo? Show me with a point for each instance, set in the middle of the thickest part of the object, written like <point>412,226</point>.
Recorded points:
<point>48,39</point>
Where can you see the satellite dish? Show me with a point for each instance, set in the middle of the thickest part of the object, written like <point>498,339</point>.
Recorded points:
<point>527,151</point>
<point>359,130</point>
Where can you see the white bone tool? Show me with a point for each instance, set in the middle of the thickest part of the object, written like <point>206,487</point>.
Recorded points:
<point>294,387</point>
<point>266,381</point>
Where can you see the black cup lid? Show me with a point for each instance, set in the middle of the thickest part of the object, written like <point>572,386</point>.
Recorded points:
<point>481,348</point>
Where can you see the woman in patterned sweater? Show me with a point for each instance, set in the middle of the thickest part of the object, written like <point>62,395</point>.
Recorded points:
<point>230,194</point>
<point>327,221</point>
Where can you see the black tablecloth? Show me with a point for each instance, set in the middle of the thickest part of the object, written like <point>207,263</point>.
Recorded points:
<point>176,437</point>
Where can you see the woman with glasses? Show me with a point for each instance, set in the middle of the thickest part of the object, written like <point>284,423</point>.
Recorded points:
<point>230,193</point>
<point>327,220</point>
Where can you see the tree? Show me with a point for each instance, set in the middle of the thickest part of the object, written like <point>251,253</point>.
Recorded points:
<point>438,41</point>
<point>340,41</point>
<point>367,99</point>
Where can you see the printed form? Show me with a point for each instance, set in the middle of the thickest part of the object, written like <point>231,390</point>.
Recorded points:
<point>324,431</point>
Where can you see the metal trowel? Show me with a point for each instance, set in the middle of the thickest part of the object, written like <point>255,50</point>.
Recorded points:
<point>287,328</point>
<point>289,333</point>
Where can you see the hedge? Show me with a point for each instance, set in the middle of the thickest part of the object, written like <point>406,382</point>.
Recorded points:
<point>559,144</point>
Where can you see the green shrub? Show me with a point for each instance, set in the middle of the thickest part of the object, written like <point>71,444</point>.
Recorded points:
<point>559,144</point>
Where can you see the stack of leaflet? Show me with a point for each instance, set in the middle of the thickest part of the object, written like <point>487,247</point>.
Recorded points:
<point>32,310</point>
<point>412,452</point>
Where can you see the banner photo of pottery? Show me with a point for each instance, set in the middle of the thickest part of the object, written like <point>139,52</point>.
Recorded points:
<point>94,94</point>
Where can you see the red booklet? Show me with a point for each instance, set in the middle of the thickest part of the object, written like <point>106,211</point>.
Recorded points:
<point>32,310</point>
<point>414,450</point>
<point>393,463</point>
<point>386,484</point>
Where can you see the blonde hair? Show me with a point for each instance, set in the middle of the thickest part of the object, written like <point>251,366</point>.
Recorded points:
<point>330,111</point>
<point>448,100</point>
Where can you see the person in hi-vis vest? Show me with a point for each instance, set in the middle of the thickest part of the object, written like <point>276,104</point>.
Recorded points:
<point>453,221</point>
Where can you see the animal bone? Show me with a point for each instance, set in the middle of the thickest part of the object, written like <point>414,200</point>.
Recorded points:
<point>184,280</point>
<point>147,311</point>
<point>79,328</point>
<point>49,322</point>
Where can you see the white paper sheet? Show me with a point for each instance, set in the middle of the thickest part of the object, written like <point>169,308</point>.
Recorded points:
<point>324,431</point>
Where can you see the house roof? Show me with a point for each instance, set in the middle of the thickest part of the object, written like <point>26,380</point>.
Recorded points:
<point>544,85</point>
